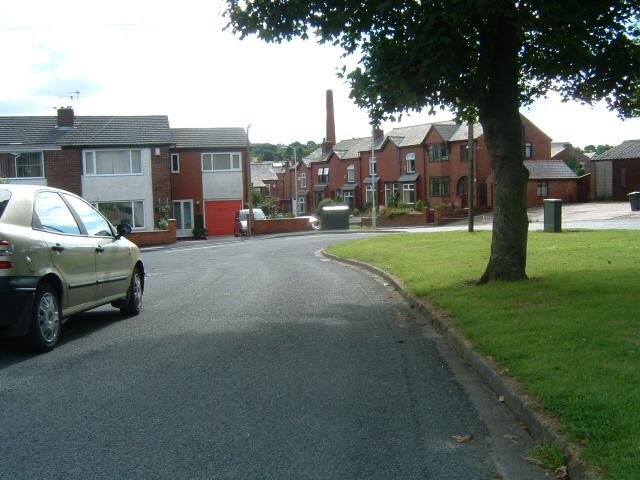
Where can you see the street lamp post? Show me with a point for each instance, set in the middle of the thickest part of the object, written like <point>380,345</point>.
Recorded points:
<point>372,159</point>
<point>250,184</point>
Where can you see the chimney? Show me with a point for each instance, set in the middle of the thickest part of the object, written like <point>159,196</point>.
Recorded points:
<point>66,117</point>
<point>326,146</point>
<point>331,123</point>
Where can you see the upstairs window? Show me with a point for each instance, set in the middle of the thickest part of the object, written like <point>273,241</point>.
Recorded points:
<point>302,179</point>
<point>373,165</point>
<point>220,162</point>
<point>112,162</point>
<point>411,162</point>
<point>438,152</point>
<point>351,173</point>
<point>21,165</point>
<point>542,189</point>
<point>323,175</point>
<point>175,163</point>
<point>528,150</point>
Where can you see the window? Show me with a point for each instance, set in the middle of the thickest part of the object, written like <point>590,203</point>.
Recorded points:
<point>391,193</point>
<point>373,166</point>
<point>112,162</point>
<point>323,175</point>
<point>347,196</point>
<point>409,193</point>
<point>303,180</point>
<point>301,205</point>
<point>438,152</point>
<point>411,162</point>
<point>94,223</point>
<point>175,163</point>
<point>53,215</point>
<point>439,186</point>
<point>464,151</point>
<point>528,150</point>
<point>369,194</point>
<point>131,212</point>
<point>543,189</point>
<point>220,162</point>
<point>21,165</point>
<point>351,173</point>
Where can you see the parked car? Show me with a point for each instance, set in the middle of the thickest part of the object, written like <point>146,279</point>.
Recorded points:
<point>59,256</point>
<point>240,224</point>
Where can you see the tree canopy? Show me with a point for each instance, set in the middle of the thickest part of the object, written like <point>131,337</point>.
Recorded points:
<point>269,152</point>
<point>480,58</point>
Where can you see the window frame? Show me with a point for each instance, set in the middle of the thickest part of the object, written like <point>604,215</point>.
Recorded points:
<point>176,157</point>
<point>528,150</point>
<point>351,173</point>
<point>410,159</point>
<point>94,153</point>
<point>16,155</point>
<point>373,165</point>
<point>440,183</point>
<point>442,150</point>
<point>96,205</point>
<point>372,189</point>
<point>391,189</point>
<point>348,197</point>
<point>323,175</point>
<point>302,205</point>
<point>405,189</point>
<point>213,170</point>
<point>302,180</point>
<point>542,189</point>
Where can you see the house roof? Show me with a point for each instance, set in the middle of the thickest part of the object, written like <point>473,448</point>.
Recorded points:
<point>262,171</point>
<point>557,147</point>
<point>209,137</point>
<point>21,132</point>
<point>462,133</point>
<point>409,136</point>
<point>548,170</point>
<point>627,149</point>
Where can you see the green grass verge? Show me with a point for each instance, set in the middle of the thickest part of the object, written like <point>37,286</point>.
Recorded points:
<point>570,335</point>
<point>547,455</point>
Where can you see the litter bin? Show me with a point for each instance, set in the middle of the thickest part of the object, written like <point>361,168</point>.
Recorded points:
<point>334,217</point>
<point>634,201</point>
<point>552,215</point>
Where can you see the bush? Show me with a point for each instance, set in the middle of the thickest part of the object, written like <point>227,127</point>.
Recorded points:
<point>419,206</point>
<point>325,203</point>
<point>403,206</point>
<point>391,212</point>
<point>355,212</point>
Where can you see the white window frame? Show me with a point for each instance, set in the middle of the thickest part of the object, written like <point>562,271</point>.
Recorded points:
<point>323,175</point>
<point>348,197</point>
<point>302,178</point>
<point>408,187</point>
<point>94,159</point>
<point>231,154</point>
<point>369,191</point>
<point>351,173</point>
<point>373,165</point>
<point>176,157</point>
<point>17,155</point>
<point>528,150</point>
<point>96,205</point>
<point>302,205</point>
<point>411,160</point>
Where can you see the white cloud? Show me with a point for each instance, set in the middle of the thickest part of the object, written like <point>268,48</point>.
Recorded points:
<point>148,57</point>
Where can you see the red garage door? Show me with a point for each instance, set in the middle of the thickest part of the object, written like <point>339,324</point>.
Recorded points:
<point>220,215</point>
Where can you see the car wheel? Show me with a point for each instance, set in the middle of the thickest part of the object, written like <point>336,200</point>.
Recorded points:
<point>45,327</point>
<point>133,302</point>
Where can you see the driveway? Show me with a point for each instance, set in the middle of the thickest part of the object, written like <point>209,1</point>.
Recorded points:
<point>253,359</point>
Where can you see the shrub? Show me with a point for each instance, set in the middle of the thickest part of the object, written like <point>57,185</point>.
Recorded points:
<point>326,202</point>
<point>419,206</point>
<point>391,212</point>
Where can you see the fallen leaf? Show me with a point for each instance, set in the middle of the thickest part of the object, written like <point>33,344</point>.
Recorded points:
<point>501,398</point>
<point>512,438</point>
<point>462,438</point>
<point>561,473</point>
<point>386,284</point>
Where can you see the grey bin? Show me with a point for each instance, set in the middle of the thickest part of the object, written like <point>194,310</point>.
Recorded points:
<point>634,201</point>
<point>552,215</point>
<point>334,217</point>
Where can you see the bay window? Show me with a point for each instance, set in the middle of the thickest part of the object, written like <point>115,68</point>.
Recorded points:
<point>21,165</point>
<point>409,193</point>
<point>130,211</point>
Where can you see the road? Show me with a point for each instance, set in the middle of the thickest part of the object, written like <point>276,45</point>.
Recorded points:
<point>253,359</point>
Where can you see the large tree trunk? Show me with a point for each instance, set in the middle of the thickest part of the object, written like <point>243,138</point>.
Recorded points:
<point>500,119</point>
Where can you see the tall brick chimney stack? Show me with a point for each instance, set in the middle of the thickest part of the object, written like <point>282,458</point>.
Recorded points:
<point>66,117</point>
<point>331,123</point>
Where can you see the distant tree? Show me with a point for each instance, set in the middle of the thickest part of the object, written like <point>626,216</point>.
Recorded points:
<point>482,59</point>
<point>597,149</point>
<point>269,152</point>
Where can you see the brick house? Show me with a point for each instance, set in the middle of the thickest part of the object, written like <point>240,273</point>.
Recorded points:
<point>616,172</point>
<point>423,162</point>
<point>121,164</point>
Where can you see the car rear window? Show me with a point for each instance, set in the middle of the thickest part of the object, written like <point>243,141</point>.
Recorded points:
<point>5,195</point>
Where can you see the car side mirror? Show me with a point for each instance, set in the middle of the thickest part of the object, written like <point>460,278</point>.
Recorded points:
<point>123,229</point>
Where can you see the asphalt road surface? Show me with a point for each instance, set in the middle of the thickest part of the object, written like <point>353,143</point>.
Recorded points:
<point>253,359</point>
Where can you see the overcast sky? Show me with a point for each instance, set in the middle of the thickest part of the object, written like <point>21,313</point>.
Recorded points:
<point>148,57</point>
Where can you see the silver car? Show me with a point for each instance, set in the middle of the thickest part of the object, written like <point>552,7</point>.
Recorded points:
<point>59,256</point>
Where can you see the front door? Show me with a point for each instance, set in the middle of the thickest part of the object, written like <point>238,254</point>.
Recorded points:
<point>183,213</point>
<point>604,180</point>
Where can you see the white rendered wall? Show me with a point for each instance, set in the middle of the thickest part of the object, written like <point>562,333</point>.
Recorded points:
<point>111,188</point>
<point>222,185</point>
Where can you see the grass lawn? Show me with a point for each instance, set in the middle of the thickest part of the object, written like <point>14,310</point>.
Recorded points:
<point>570,335</point>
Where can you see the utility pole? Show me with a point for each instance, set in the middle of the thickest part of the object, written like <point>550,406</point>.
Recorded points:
<point>471,181</point>
<point>372,172</point>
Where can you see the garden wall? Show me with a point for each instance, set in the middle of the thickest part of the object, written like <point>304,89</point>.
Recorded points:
<point>417,219</point>
<point>155,237</point>
<point>282,225</point>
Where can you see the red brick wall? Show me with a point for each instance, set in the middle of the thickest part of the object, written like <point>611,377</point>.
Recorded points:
<point>566,190</point>
<point>155,237</point>
<point>63,169</point>
<point>187,184</point>
<point>282,225</point>
<point>409,220</point>
<point>540,141</point>
<point>160,178</point>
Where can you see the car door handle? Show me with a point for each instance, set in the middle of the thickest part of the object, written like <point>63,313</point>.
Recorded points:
<point>99,249</point>
<point>57,248</point>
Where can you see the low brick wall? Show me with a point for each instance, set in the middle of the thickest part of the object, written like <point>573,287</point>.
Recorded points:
<point>154,237</point>
<point>282,225</point>
<point>445,215</point>
<point>417,219</point>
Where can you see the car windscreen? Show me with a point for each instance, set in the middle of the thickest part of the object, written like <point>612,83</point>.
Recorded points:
<point>258,215</point>
<point>5,195</point>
